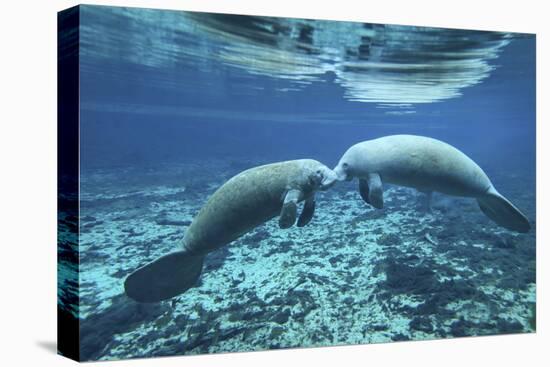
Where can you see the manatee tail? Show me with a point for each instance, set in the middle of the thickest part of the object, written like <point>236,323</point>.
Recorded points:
<point>503,212</point>
<point>164,278</point>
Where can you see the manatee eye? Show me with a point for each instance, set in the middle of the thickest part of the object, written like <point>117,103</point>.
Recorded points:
<point>345,165</point>
<point>318,171</point>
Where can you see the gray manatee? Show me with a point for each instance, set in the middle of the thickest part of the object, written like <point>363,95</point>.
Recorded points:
<point>428,165</point>
<point>244,202</point>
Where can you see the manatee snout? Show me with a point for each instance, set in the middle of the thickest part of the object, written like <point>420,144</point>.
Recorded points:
<point>342,172</point>
<point>329,178</point>
<point>347,167</point>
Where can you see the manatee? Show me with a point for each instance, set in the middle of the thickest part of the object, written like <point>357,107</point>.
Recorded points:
<point>427,165</point>
<point>244,202</point>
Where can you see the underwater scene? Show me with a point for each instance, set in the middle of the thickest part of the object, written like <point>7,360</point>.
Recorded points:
<point>255,183</point>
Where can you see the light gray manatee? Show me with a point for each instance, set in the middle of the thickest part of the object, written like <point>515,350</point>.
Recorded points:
<point>244,202</point>
<point>427,165</point>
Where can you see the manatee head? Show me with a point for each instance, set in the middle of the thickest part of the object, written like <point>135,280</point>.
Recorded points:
<point>319,176</point>
<point>345,168</point>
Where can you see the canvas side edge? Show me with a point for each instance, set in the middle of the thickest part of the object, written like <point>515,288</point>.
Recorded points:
<point>68,343</point>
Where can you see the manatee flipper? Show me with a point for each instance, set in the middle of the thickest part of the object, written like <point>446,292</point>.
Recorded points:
<point>307,212</point>
<point>503,212</point>
<point>364,190</point>
<point>371,191</point>
<point>164,278</point>
<point>290,209</point>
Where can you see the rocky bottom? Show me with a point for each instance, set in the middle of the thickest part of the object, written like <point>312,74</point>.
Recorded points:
<point>353,275</point>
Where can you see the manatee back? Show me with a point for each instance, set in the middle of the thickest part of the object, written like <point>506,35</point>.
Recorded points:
<point>244,202</point>
<point>426,164</point>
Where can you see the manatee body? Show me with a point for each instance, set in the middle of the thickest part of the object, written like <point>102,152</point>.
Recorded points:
<point>244,202</point>
<point>427,165</point>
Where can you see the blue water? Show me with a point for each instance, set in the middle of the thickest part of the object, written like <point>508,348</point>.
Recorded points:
<point>173,104</point>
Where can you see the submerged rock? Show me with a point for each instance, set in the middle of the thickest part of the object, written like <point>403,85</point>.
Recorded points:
<point>379,327</point>
<point>458,327</point>
<point>389,240</point>
<point>281,317</point>
<point>509,327</point>
<point>276,332</point>
<point>421,324</point>
<point>400,337</point>
<point>401,278</point>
